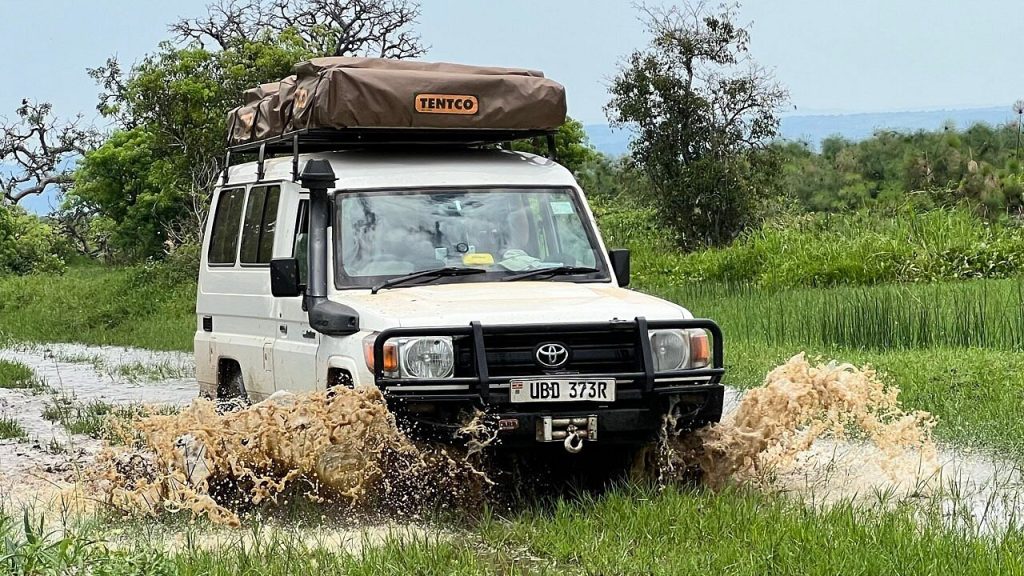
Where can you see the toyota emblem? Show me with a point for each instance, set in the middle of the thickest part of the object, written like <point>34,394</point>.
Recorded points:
<point>552,355</point>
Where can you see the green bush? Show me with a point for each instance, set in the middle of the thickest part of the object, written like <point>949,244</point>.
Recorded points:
<point>830,250</point>
<point>27,243</point>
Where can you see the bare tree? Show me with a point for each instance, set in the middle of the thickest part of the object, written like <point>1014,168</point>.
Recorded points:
<point>39,148</point>
<point>328,27</point>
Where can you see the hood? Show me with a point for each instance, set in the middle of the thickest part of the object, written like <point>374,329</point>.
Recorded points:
<point>541,302</point>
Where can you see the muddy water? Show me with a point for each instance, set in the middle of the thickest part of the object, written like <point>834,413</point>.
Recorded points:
<point>830,432</point>
<point>343,447</point>
<point>51,459</point>
<point>822,432</point>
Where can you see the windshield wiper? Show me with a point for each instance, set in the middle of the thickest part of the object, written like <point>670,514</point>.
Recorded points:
<point>432,273</point>
<point>554,271</point>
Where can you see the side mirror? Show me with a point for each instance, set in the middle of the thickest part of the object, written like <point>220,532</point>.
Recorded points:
<point>620,265</point>
<point>284,277</point>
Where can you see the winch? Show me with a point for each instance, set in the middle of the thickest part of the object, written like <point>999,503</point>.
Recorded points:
<point>570,431</point>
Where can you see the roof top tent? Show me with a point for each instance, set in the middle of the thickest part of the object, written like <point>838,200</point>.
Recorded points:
<point>332,104</point>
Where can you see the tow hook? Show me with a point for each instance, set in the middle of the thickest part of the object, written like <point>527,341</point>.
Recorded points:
<point>573,443</point>
<point>571,431</point>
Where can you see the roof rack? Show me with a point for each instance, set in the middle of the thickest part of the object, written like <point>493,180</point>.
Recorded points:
<point>330,140</point>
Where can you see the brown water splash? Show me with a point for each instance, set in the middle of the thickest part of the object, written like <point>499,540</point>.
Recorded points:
<point>344,446</point>
<point>779,432</point>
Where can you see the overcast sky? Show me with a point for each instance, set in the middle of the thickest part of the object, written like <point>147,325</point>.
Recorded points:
<point>834,56</point>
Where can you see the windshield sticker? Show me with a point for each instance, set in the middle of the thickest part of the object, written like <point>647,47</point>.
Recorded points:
<point>559,208</point>
<point>478,259</point>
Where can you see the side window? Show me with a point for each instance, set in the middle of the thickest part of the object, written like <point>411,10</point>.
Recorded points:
<point>224,237</point>
<point>259,226</point>
<point>300,248</point>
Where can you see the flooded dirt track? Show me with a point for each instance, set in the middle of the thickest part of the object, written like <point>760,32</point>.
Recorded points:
<point>820,432</point>
<point>50,460</point>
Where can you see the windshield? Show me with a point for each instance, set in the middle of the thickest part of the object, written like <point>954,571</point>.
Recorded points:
<point>505,231</point>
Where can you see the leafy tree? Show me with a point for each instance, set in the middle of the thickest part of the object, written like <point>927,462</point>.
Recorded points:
<point>703,114</point>
<point>325,27</point>
<point>613,179</point>
<point>172,106</point>
<point>129,187</point>
<point>921,170</point>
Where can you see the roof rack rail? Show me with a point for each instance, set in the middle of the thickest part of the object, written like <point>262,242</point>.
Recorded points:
<point>331,140</point>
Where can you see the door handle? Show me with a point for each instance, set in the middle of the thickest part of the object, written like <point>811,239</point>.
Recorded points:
<point>284,329</point>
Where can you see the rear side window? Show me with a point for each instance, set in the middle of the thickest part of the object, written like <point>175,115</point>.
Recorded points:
<point>224,238</point>
<point>259,226</point>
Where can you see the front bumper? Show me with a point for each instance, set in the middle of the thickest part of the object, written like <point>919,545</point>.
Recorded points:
<point>614,424</point>
<point>643,398</point>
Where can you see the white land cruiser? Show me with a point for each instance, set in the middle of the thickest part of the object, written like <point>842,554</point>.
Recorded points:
<point>454,279</point>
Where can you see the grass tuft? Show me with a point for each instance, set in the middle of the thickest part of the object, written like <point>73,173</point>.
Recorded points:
<point>16,375</point>
<point>11,429</point>
<point>99,420</point>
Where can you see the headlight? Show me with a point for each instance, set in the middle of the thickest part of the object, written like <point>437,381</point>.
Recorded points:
<point>428,357</point>
<point>670,348</point>
<point>432,357</point>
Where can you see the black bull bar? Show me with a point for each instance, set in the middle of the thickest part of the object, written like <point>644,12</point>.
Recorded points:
<point>481,384</point>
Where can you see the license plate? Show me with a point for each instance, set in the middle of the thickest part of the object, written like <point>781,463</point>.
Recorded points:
<point>562,390</point>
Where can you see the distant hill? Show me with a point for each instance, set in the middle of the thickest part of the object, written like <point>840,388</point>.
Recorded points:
<point>815,128</point>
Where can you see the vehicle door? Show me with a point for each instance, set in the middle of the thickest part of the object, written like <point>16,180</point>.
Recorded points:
<point>295,343</point>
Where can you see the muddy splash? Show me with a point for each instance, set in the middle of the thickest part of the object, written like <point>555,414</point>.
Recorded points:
<point>343,446</point>
<point>50,460</point>
<point>831,432</point>
<point>800,403</point>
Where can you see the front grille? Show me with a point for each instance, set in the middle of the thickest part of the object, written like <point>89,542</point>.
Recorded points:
<point>591,352</point>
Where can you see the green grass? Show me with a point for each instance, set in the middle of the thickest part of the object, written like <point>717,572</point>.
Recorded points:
<point>630,530</point>
<point>11,429</point>
<point>78,418</point>
<point>16,375</point>
<point>978,313</point>
<point>149,306</point>
<point>740,532</point>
